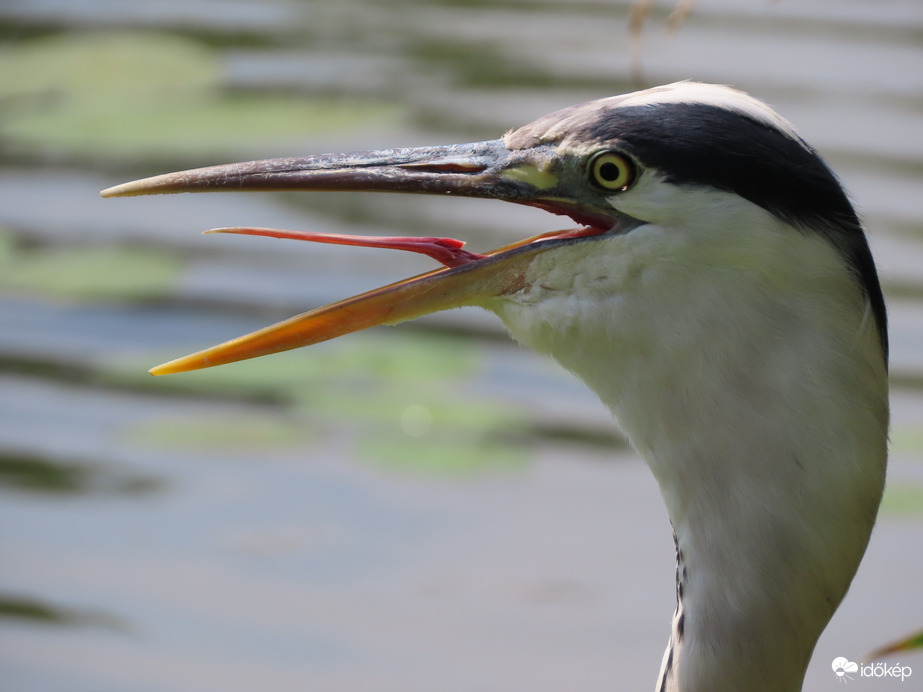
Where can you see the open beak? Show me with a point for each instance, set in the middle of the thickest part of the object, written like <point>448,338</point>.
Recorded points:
<point>483,169</point>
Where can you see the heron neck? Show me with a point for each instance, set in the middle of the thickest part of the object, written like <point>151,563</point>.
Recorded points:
<point>771,518</point>
<point>763,416</point>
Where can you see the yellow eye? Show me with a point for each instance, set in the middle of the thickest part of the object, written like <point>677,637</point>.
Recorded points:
<point>612,171</point>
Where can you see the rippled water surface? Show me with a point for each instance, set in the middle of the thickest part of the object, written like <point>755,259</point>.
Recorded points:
<point>416,509</point>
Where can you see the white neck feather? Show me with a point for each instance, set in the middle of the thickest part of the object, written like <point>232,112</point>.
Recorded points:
<point>742,363</point>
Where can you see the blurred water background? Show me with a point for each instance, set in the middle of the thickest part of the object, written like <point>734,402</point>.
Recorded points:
<point>416,509</point>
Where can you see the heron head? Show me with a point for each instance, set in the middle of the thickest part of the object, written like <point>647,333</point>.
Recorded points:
<point>699,171</point>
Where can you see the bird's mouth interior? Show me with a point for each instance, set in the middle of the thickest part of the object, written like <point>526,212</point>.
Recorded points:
<point>447,251</point>
<point>467,278</point>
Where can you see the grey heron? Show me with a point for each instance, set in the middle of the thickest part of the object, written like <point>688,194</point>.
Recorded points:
<point>718,294</point>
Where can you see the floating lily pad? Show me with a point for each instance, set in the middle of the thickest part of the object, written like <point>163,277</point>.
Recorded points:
<point>131,96</point>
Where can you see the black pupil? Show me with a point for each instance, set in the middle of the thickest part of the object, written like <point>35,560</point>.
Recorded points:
<point>609,171</point>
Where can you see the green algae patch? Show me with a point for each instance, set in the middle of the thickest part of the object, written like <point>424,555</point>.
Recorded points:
<point>440,438</point>
<point>37,611</point>
<point>908,440</point>
<point>8,248</point>
<point>127,97</point>
<point>37,474</point>
<point>903,500</point>
<point>322,377</point>
<point>120,273</point>
<point>398,400</point>
<point>443,456</point>
<point>235,434</point>
<point>404,358</point>
<point>84,65</point>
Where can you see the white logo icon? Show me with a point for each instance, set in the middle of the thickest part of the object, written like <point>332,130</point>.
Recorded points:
<point>842,666</point>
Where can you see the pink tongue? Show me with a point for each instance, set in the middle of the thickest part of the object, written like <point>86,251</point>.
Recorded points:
<point>447,251</point>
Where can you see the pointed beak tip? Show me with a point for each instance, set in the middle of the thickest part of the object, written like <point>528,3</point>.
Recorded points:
<point>156,185</point>
<point>123,190</point>
<point>172,367</point>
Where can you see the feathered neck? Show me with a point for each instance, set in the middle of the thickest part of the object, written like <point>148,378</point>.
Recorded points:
<point>751,378</point>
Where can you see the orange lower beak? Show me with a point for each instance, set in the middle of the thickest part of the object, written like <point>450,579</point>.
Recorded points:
<point>475,282</point>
